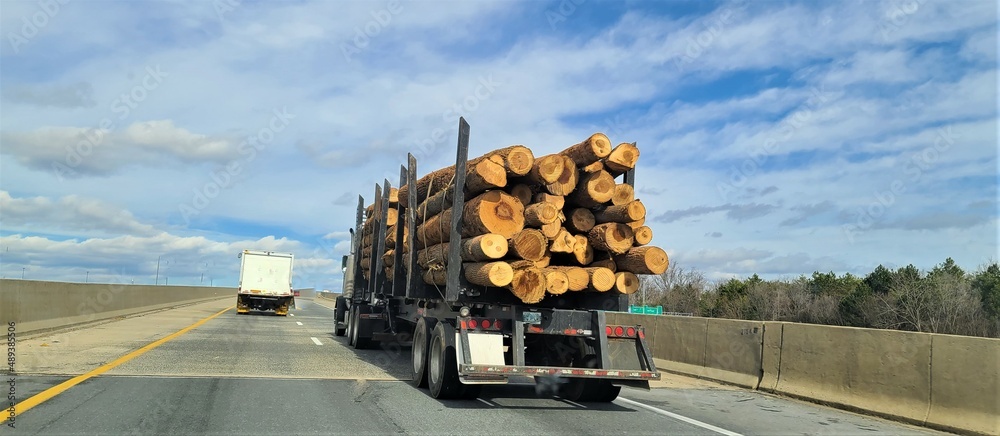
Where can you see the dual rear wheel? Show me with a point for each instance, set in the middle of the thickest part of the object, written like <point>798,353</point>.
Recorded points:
<point>435,363</point>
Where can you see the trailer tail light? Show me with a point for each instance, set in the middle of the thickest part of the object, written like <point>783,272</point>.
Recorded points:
<point>486,324</point>
<point>619,331</point>
<point>473,324</point>
<point>497,324</point>
<point>630,332</point>
<point>609,331</point>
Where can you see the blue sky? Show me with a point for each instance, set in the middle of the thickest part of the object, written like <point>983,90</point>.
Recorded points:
<point>777,138</point>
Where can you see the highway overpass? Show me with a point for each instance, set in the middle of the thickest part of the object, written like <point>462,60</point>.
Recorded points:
<point>141,364</point>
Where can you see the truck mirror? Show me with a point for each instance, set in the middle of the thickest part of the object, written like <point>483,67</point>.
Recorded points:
<point>343,262</point>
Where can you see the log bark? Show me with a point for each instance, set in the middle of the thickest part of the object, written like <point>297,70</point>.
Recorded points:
<point>393,196</point>
<point>625,213</point>
<point>490,212</point>
<point>546,169</point>
<point>596,147</point>
<point>566,182</point>
<point>389,258</point>
<point>539,214</point>
<point>486,174</point>
<point>578,278</point>
<point>556,200</point>
<point>436,203</point>
<point>522,192</point>
<point>580,220</point>
<point>643,260</point>
<point>390,236</point>
<point>615,238</point>
<point>601,279</point>
<point>528,284</point>
<point>529,244</point>
<point>391,217</point>
<point>582,251</point>
<point>605,263</point>
<point>517,159</point>
<point>622,158</point>
<point>593,168</point>
<point>544,261</point>
<point>556,282</point>
<point>436,277</point>
<point>643,235</point>
<point>623,194</point>
<point>594,189</point>
<point>626,282</point>
<point>481,173</point>
<point>476,249</point>
<point>563,242</point>
<point>488,273</point>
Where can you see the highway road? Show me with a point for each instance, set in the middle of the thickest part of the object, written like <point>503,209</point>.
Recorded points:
<point>263,374</point>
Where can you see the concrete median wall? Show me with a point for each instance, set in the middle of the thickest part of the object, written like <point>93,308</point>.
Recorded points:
<point>941,381</point>
<point>40,305</point>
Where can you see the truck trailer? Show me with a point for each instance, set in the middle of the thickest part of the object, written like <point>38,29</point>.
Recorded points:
<point>265,282</point>
<point>464,335</point>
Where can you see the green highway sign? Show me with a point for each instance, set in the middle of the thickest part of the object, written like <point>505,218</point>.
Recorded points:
<point>648,310</point>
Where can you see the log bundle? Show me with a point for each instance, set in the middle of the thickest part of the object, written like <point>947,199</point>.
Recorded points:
<point>556,224</point>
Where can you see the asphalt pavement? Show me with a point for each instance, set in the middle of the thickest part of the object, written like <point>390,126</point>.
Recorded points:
<point>264,374</point>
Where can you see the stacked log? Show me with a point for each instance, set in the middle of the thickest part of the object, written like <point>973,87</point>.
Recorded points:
<point>551,225</point>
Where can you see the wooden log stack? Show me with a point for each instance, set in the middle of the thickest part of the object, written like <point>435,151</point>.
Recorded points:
<point>551,225</point>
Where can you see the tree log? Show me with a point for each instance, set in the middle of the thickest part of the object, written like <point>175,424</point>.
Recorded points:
<point>517,159</point>
<point>436,203</point>
<point>594,189</point>
<point>622,158</point>
<point>643,235</point>
<point>623,194</point>
<point>390,236</point>
<point>578,277</point>
<point>601,279</point>
<point>546,169</point>
<point>636,224</point>
<point>556,200</point>
<point>582,250</point>
<point>596,147</point>
<point>616,238</point>
<point>529,244</point>
<point>605,263</point>
<point>643,260</point>
<point>580,220</point>
<point>528,284</point>
<point>438,276</point>
<point>626,282</point>
<point>488,273</point>
<point>391,217</point>
<point>476,249</point>
<point>551,230</point>
<point>481,173</point>
<point>486,174</point>
<point>522,192</point>
<point>556,282</point>
<point>625,213</point>
<point>389,258</point>
<point>566,182</point>
<point>539,214</point>
<point>544,261</point>
<point>593,168</point>
<point>490,212</point>
<point>393,196</point>
<point>563,242</point>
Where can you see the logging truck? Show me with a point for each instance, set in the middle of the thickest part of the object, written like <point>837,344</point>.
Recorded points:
<point>265,282</point>
<point>501,268</point>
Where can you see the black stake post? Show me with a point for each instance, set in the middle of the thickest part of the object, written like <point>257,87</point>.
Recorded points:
<point>411,223</point>
<point>356,250</point>
<point>378,244</point>
<point>371,259</point>
<point>398,271</point>
<point>452,290</point>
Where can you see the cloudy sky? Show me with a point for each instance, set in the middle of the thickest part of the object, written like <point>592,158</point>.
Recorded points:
<point>777,138</point>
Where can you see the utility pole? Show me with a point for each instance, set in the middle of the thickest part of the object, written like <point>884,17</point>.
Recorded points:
<point>22,273</point>
<point>87,280</point>
<point>157,270</point>
<point>202,282</point>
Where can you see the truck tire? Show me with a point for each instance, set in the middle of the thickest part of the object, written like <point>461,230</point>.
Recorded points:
<point>350,325</point>
<point>338,316</point>
<point>421,344</point>
<point>442,366</point>
<point>594,389</point>
<point>361,342</point>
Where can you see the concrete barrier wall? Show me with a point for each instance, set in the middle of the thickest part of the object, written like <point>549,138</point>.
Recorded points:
<point>39,305</point>
<point>942,381</point>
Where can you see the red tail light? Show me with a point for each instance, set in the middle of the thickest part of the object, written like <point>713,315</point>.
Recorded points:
<point>609,331</point>
<point>486,323</point>
<point>619,331</point>
<point>473,324</point>
<point>497,324</point>
<point>630,332</point>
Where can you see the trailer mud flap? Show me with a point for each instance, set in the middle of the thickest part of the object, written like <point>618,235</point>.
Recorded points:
<point>479,348</point>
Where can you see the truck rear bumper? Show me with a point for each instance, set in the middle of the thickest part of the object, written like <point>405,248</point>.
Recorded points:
<point>510,370</point>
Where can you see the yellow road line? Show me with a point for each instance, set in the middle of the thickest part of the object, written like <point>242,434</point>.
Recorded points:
<point>62,387</point>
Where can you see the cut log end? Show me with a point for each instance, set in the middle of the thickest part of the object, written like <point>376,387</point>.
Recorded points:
<point>643,260</point>
<point>489,273</point>
<point>626,282</point>
<point>601,279</point>
<point>529,244</point>
<point>622,158</point>
<point>556,282</point>
<point>567,180</point>
<point>539,214</point>
<point>528,284</point>
<point>643,235</point>
<point>615,238</point>
<point>623,194</point>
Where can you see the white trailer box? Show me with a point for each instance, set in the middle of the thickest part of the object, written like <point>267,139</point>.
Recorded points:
<point>265,282</point>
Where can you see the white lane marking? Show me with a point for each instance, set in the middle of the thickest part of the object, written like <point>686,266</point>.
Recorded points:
<point>679,417</point>
<point>573,403</point>
<point>486,402</point>
<point>291,314</point>
<point>316,341</point>
<point>299,323</point>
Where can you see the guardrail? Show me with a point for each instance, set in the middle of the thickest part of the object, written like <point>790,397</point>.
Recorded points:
<point>942,381</point>
<point>40,305</point>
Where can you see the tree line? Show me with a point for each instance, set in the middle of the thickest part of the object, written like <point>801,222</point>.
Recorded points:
<point>945,299</point>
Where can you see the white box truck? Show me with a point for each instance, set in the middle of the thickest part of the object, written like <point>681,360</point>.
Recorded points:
<point>265,282</point>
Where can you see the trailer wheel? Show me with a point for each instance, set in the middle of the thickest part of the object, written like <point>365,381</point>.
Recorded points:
<point>338,316</point>
<point>442,366</point>
<point>360,342</point>
<point>596,390</point>
<point>421,344</point>
<point>351,319</point>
